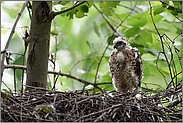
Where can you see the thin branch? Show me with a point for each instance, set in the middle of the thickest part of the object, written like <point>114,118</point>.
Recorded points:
<point>81,61</point>
<point>128,8</point>
<point>105,18</point>
<point>66,10</point>
<point>56,80</point>
<point>57,73</point>
<point>160,36</point>
<point>101,111</point>
<point>11,35</point>
<point>159,69</point>
<point>166,4</point>
<point>55,45</point>
<point>26,42</point>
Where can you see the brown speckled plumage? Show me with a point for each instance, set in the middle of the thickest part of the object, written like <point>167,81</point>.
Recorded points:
<point>126,66</point>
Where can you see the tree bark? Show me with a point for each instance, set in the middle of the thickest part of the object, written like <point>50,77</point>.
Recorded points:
<point>39,38</point>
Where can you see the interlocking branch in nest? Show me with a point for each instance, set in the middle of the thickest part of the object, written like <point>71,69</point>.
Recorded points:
<point>56,106</point>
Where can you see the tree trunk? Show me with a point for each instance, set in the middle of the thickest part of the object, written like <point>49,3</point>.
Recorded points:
<point>39,38</point>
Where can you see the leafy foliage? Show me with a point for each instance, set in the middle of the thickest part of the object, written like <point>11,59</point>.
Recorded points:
<point>83,34</point>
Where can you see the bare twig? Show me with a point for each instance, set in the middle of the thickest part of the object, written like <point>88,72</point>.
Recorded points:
<point>55,47</point>
<point>161,40</point>
<point>56,80</point>
<point>66,10</point>
<point>53,72</point>
<point>10,37</point>
<point>81,61</point>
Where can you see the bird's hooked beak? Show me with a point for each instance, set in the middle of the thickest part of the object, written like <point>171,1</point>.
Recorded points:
<point>114,46</point>
<point>119,45</point>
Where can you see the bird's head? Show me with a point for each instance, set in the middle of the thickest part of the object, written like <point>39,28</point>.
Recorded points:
<point>120,43</point>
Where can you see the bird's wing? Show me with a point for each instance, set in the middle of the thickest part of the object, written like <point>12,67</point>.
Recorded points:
<point>139,65</point>
<point>112,63</point>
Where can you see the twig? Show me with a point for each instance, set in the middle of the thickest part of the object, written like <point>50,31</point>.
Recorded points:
<point>80,61</point>
<point>53,72</point>
<point>128,8</point>
<point>114,106</point>
<point>26,42</point>
<point>66,10</point>
<point>114,30</point>
<point>162,44</point>
<point>174,8</point>
<point>11,35</point>
<point>55,48</point>
<point>88,98</point>
<point>56,80</point>
<point>159,69</point>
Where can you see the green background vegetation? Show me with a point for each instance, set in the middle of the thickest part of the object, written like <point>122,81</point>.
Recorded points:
<point>83,33</point>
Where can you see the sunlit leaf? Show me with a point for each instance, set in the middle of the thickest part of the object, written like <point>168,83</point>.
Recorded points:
<point>157,18</point>
<point>123,16</point>
<point>158,10</point>
<point>144,37</point>
<point>105,7</point>
<point>138,20</point>
<point>88,3</point>
<point>132,31</point>
<point>113,3</point>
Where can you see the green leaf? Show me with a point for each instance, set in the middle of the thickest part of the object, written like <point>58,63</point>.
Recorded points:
<point>165,3</point>
<point>91,45</point>
<point>81,11</point>
<point>179,29</point>
<point>90,75</point>
<point>110,39</point>
<point>157,18</point>
<point>173,10</point>
<point>5,90</point>
<point>177,4</point>
<point>105,7</point>
<point>64,2</point>
<point>107,58</point>
<point>96,29</point>
<point>132,32</point>
<point>158,10</point>
<point>143,38</point>
<point>54,32</point>
<point>71,13</point>
<point>89,3</point>
<point>113,3</point>
<point>123,16</point>
<point>138,20</point>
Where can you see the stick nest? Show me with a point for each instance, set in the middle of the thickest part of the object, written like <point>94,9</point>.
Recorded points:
<point>89,106</point>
